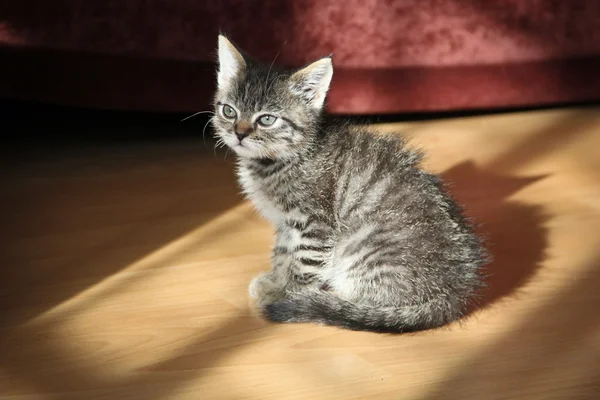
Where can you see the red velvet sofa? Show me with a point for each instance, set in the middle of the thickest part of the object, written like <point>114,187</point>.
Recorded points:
<point>389,56</point>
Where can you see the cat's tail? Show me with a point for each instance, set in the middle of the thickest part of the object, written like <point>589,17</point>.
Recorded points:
<point>325,308</point>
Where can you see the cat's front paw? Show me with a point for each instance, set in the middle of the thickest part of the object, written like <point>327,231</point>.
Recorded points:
<point>265,290</point>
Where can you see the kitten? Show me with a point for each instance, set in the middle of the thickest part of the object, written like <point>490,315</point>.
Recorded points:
<point>365,239</point>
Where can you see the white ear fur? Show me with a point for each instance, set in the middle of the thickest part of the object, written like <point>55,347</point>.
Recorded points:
<point>312,82</point>
<point>231,63</point>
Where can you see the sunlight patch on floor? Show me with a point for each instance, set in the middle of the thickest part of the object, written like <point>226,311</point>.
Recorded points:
<point>206,242</point>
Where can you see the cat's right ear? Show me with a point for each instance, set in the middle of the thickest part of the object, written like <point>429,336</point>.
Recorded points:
<point>231,63</point>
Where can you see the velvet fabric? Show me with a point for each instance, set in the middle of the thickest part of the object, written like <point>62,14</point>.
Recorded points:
<point>390,56</point>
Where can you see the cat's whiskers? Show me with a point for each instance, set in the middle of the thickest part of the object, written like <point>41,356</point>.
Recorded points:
<point>204,129</point>
<point>264,152</point>
<point>197,113</point>
<point>219,143</point>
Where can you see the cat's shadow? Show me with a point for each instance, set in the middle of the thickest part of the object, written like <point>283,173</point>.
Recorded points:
<point>513,231</point>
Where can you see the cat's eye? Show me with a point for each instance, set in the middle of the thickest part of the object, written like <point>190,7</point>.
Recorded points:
<point>267,120</point>
<point>229,112</point>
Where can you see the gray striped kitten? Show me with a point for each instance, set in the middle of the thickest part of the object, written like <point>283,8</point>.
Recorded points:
<point>365,239</point>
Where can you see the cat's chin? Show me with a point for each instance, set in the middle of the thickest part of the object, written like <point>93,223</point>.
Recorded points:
<point>243,151</point>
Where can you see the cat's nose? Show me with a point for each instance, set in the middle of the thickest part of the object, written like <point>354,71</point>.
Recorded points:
<point>241,135</point>
<point>242,129</point>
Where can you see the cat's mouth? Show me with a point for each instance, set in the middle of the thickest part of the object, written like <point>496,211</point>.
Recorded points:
<point>235,143</point>
<point>240,145</point>
<point>242,148</point>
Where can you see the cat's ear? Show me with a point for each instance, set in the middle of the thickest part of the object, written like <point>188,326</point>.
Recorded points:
<point>231,63</point>
<point>312,82</point>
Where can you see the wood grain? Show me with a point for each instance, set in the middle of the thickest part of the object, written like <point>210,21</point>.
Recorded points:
<point>125,270</point>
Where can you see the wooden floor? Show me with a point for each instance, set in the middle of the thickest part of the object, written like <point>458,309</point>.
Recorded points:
<point>125,270</point>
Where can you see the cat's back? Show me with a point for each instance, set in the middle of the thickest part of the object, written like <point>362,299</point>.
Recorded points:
<point>379,177</point>
<point>357,150</point>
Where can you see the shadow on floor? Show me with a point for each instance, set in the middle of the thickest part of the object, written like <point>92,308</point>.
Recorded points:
<point>514,232</point>
<point>76,218</point>
<point>24,351</point>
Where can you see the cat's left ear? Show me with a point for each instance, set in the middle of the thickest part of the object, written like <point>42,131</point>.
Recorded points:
<point>312,82</point>
<point>231,63</point>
